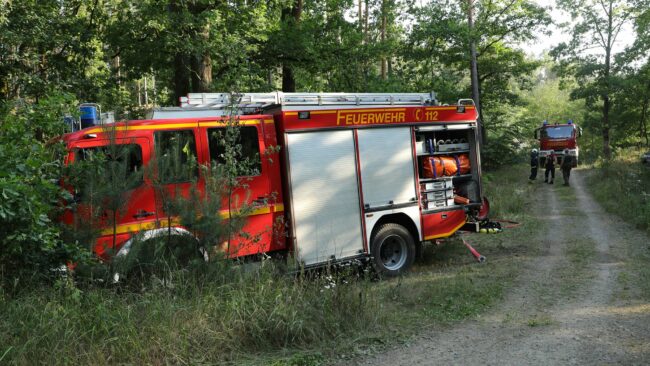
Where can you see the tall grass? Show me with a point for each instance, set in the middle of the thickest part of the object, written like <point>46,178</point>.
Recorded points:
<point>252,312</point>
<point>622,186</point>
<point>230,314</point>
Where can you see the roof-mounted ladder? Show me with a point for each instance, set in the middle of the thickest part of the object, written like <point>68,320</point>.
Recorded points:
<point>259,100</point>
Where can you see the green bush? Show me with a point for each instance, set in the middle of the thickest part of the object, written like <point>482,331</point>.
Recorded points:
<point>30,245</point>
<point>621,186</point>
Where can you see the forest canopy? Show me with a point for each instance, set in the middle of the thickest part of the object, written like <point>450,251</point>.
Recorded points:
<point>130,55</point>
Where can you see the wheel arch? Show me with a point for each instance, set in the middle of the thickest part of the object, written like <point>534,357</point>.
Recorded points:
<point>152,234</point>
<point>400,219</point>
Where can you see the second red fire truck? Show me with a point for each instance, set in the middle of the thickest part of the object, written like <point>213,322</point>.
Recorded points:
<point>556,138</point>
<point>356,176</point>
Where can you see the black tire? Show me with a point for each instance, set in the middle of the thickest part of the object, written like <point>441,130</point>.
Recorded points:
<point>393,250</point>
<point>158,256</point>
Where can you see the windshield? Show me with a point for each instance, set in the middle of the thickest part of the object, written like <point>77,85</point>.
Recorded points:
<point>557,132</point>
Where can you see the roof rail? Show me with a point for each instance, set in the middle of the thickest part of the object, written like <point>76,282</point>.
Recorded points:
<point>259,100</point>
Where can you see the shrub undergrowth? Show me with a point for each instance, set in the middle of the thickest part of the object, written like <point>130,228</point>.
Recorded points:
<point>221,312</point>
<point>622,186</point>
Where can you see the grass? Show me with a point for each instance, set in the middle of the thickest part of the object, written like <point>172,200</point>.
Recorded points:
<point>539,321</point>
<point>233,316</point>
<point>622,186</point>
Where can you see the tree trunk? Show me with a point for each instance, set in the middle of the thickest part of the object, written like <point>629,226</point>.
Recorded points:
<point>288,80</point>
<point>117,69</point>
<point>365,25</point>
<point>643,130</point>
<point>205,72</point>
<point>181,77</point>
<point>361,16</point>
<point>202,65</point>
<point>292,17</point>
<point>182,64</point>
<point>384,15</point>
<point>643,127</point>
<point>476,95</point>
<point>607,152</point>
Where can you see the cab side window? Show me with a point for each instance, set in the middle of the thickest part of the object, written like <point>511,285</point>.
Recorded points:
<point>246,152</point>
<point>176,156</point>
<point>121,161</point>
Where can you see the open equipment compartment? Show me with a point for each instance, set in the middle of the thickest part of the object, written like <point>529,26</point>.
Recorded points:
<point>448,166</point>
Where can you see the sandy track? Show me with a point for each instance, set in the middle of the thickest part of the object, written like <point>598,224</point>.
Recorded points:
<point>540,321</point>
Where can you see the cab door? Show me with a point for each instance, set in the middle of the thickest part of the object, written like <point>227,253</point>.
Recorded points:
<point>117,198</point>
<point>177,171</point>
<point>251,196</point>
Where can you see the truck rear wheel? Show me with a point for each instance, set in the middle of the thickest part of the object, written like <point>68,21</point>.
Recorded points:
<point>393,250</point>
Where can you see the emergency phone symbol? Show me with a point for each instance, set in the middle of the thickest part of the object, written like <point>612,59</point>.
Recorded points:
<point>418,114</point>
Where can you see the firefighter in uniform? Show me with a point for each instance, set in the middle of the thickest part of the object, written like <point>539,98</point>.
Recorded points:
<point>550,168</point>
<point>567,164</point>
<point>534,164</point>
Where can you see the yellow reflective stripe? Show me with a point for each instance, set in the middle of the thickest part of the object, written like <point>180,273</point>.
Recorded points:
<point>226,214</point>
<point>175,221</point>
<point>139,128</point>
<point>132,228</point>
<point>171,126</point>
<point>445,234</point>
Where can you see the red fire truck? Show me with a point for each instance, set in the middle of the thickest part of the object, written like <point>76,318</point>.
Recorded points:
<point>556,138</point>
<point>357,176</point>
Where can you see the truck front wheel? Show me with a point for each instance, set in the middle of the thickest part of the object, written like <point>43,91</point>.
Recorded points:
<point>393,250</point>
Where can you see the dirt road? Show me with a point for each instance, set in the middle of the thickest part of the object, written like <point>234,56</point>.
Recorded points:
<point>574,304</point>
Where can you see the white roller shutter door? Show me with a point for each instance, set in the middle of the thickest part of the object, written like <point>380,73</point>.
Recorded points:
<point>387,172</point>
<point>324,195</point>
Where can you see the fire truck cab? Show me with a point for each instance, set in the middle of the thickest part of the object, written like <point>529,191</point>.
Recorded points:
<point>357,176</point>
<point>555,138</point>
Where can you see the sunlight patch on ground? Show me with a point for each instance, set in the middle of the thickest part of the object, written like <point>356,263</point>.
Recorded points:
<point>614,310</point>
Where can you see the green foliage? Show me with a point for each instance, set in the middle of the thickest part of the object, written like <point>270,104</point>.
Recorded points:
<point>50,45</point>
<point>591,57</point>
<point>630,179</point>
<point>30,248</point>
<point>235,309</point>
<point>220,313</point>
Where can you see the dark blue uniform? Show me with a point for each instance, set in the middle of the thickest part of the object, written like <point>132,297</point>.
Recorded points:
<point>534,164</point>
<point>550,169</point>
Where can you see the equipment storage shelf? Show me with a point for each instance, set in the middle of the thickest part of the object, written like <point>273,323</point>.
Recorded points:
<point>447,167</point>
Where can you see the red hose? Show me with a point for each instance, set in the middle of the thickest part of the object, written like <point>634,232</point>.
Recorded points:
<point>512,223</point>
<point>477,255</point>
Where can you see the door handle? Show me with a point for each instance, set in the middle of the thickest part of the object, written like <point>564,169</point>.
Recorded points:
<point>142,214</point>
<point>261,200</point>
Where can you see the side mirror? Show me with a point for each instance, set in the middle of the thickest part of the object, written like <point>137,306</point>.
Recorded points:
<point>536,133</point>
<point>579,131</point>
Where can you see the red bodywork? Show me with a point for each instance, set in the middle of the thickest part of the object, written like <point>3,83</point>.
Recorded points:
<point>145,210</point>
<point>562,141</point>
